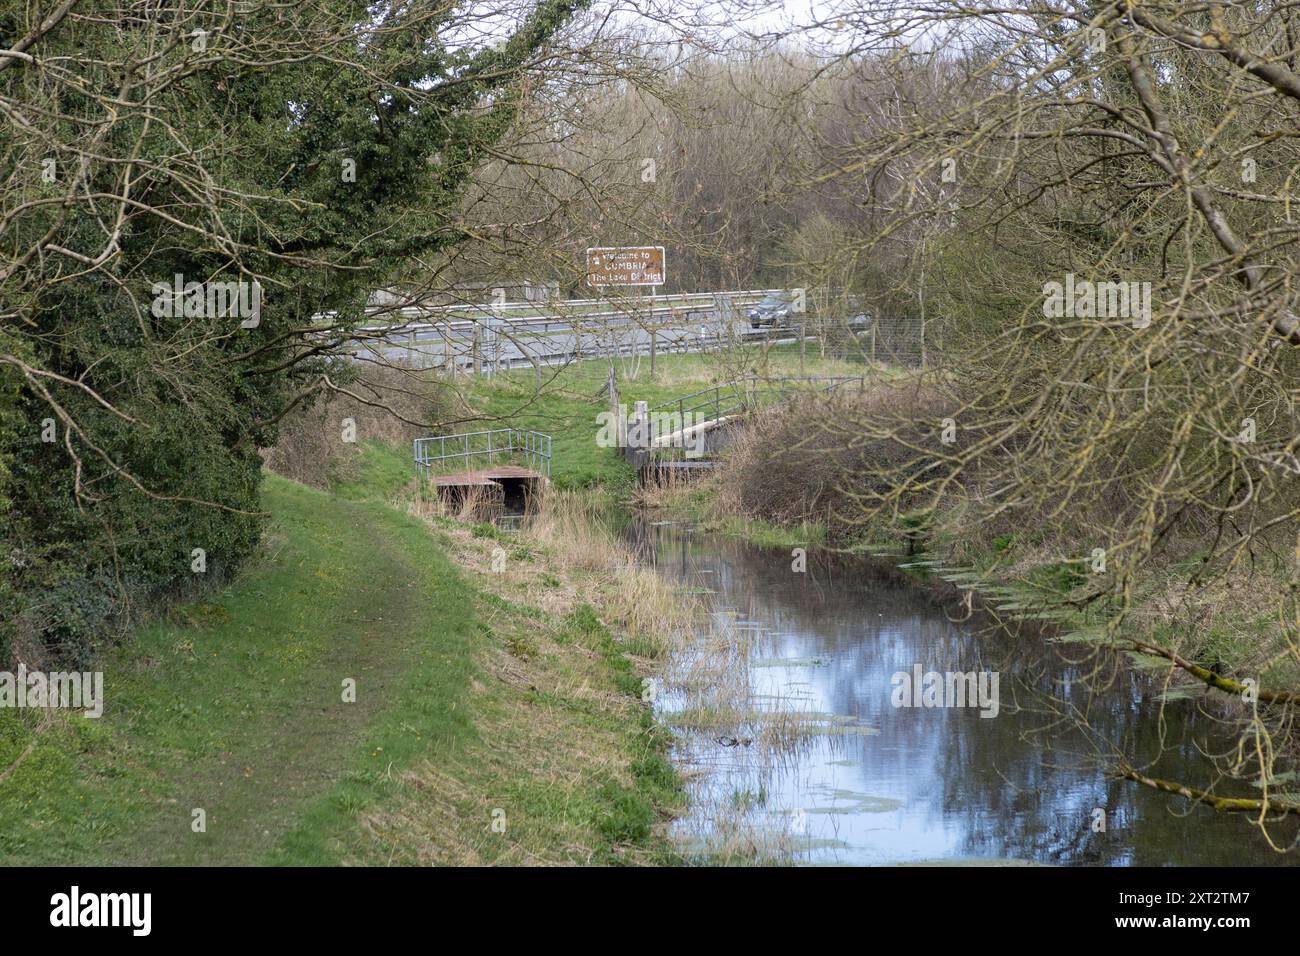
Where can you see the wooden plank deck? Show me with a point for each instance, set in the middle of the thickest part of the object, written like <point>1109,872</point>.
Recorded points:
<point>485,476</point>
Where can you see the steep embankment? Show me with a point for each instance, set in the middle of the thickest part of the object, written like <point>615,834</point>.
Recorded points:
<point>466,742</point>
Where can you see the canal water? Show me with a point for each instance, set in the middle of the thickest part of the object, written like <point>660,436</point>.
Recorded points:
<point>783,708</point>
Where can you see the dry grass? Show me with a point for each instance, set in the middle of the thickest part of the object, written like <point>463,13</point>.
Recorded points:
<point>569,526</point>
<point>552,730</point>
<point>634,600</point>
<point>665,491</point>
<point>469,505</point>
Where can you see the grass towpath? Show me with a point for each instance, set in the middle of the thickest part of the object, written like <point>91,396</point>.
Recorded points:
<point>496,720</point>
<point>240,712</point>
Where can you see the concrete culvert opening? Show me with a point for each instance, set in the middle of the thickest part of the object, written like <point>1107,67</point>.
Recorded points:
<point>517,493</point>
<point>505,489</point>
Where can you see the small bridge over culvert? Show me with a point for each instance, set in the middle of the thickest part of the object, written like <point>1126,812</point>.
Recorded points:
<point>500,471</point>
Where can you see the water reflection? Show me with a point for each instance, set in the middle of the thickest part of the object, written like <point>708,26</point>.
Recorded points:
<point>875,784</point>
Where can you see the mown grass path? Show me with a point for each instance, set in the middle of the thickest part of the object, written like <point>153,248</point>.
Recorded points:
<point>241,712</point>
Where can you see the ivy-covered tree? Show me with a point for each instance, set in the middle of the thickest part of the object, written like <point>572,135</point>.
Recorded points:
<point>271,162</point>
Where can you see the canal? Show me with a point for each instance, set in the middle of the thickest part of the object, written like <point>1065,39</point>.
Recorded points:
<point>797,743</point>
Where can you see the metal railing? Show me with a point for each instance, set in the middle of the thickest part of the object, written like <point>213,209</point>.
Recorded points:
<point>475,338</point>
<point>744,395</point>
<point>497,343</point>
<point>561,310</point>
<point>475,450</point>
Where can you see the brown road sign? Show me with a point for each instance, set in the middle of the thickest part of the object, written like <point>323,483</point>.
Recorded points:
<point>625,265</point>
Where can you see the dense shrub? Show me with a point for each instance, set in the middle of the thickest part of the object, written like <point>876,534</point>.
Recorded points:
<point>825,458</point>
<point>279,150</point>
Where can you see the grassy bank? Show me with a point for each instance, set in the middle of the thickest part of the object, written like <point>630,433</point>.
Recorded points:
<point>567,407</point>
<point>482,731</point>
<point>498,713</point>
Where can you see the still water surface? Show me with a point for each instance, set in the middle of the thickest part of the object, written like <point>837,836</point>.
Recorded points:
<point>864,782</point>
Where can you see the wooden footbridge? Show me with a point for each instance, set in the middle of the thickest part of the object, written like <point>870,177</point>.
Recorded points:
<point>689,424</point>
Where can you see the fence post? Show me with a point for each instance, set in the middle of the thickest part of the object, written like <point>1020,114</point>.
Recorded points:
<point>641,422</point>
<point>615,407</point>
<point>478,356</point>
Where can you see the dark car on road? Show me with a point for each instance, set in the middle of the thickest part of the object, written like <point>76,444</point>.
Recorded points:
<point>773,310</point>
